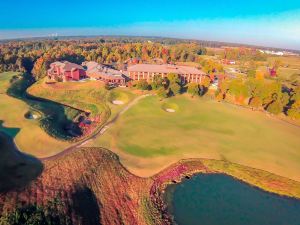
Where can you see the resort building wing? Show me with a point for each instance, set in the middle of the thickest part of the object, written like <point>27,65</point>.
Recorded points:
<point>102,72</point>
<point>148,71</point>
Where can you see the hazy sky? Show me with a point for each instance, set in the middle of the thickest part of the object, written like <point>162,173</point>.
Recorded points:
<point>264,22</point>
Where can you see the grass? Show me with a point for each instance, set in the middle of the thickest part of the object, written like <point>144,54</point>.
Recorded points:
<point>90,96</point>
<point>86,96</point>
<point>29,135</point>
<point>148,139</point>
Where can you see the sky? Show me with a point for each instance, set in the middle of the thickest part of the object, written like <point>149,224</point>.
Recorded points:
<point>271,23</point>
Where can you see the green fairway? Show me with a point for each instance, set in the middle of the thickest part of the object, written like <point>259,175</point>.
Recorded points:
<point>148,137</point>
<point>27,134</point>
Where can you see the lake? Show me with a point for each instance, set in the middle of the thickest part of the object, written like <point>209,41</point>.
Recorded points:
<point>217,199</point>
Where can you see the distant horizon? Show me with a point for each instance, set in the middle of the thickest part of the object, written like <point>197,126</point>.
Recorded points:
<point>274,25</point>
<point>226,43</point>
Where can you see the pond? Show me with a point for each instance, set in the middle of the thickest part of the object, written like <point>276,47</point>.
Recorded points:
<point>217,199</point>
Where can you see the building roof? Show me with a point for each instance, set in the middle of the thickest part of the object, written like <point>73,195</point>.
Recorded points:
<point>67,66</point>
<point>164,68</point>
<point>94,70</point>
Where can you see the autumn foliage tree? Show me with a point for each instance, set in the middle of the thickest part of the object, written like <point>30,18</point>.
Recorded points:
<point>193,89</point>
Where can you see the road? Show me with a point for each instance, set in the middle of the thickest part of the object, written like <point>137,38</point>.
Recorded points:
<point>98,133</point>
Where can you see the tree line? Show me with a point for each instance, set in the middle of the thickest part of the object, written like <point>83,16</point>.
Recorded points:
<point>255,92</point>
<point>36,56</point>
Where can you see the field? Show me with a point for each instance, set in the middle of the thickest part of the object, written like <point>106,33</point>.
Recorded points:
<point>27,134</point>
<point>289,70</point>
<point>148,138</point>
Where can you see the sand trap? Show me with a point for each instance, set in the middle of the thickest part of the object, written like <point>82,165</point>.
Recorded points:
<point>32,115</point>
<point>171,110</point>
<point>117,102</point>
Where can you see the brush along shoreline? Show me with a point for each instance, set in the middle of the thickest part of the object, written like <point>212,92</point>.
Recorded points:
<point>118,195</point>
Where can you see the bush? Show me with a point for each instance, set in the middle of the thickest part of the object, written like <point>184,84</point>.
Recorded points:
<point>35,215</point>
<point>220,97</point>
<point>161,92</point>
<point>255,102</point>
<point>193,89</point>
<point>174,89</point>
<point>275,107</point>
<point>294,111</point>
<point>142,85</point>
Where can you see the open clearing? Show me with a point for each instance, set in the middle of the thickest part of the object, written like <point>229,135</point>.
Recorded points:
<point>28,135</point>
<point>148,139</point>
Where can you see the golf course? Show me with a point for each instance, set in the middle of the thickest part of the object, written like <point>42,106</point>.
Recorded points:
<point>148,138</point>
<point>27,133</point>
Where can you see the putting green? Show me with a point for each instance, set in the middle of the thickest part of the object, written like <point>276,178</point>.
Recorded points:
<point>148,139</point>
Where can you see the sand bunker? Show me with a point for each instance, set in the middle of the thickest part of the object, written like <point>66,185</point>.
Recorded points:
<point>31,115</point>
<point>170,110</point>
<point>118,102</point>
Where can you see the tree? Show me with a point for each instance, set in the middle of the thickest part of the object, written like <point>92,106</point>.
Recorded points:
<point>157,82</point>
<point>255,102</point>
<point>206,81</point>
<point>107,86</point>
<point>275,107</point>
<point>193,89</point>
<point>251,73</point>
<point>220,96</point>
<point>259,75</point>
<point>142,85</point>
<point>161,92</point>
<point>174,89</point>
<point>173,78</point>
<point>294,111</point>
<point>238,88</point>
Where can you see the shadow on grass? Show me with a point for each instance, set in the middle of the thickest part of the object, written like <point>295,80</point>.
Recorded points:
<point>86,206</point>
<point>57,119</point>
<point>16,169</point>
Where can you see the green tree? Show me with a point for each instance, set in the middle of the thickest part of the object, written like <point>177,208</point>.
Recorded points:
<point>142,85</point>
<point>251,73</point>
<point>107,86</point>
<point>161,93</point>
<point>174,89</point>
<point>157,82</point>
<point>173,78</point>
<point>294,111</point>
<point>193,89</point>
<point>275,107</point>
<point>255,102</point>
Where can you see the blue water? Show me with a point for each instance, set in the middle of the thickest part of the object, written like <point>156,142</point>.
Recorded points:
<point>216,199</point>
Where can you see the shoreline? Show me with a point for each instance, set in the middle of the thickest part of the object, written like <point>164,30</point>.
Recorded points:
<point>139,200</point>
<point>185,169</point>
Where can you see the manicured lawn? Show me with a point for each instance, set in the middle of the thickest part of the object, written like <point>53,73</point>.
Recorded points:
<point>148,138</point>
<point>28,135</point>
<point>88,96</point>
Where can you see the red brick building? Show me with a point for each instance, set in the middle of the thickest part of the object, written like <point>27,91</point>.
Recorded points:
<point>148,71</point>
<point>66,71</point>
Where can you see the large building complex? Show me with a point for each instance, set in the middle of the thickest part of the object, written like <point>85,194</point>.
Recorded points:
<point>148,71</point>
